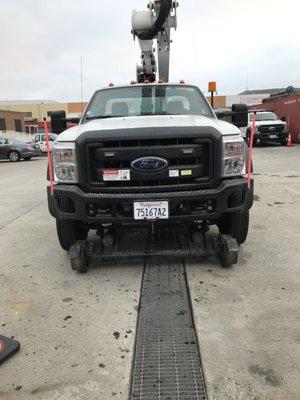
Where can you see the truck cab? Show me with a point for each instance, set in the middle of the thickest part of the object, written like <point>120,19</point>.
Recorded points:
<point>149,155</point>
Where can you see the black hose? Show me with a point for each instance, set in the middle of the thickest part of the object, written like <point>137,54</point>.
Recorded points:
<point>165,9</point>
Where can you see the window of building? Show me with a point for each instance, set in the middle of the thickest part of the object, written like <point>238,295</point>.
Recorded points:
<point>2,124</point>
<point>18,125</point>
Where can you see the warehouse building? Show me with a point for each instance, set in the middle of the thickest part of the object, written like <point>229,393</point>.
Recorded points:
<point>36,110</point>
<point>12,121</point>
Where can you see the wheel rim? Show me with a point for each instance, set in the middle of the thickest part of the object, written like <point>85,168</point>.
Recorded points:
<point>14,156</point>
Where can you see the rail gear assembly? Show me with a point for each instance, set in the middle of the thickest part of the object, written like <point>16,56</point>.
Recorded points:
<point>150,157</point>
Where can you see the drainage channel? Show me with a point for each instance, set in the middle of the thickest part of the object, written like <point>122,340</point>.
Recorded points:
<point>167,362</point>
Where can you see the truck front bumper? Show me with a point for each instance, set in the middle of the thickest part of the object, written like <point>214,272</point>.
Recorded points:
<point>101,208</point>
<point>272,137</point>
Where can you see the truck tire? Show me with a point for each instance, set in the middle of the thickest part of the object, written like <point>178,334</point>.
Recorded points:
<point>236,223</point>
<point>69,231</point>
<point>248,138</point>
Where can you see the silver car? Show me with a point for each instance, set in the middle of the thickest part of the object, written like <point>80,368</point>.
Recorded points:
<point>15,149</point>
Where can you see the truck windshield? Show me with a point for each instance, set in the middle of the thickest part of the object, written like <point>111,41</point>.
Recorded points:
<point>147,100</point>
<point>267,116</point>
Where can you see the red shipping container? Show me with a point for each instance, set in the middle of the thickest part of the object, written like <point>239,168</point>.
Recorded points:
<point>286,108</point>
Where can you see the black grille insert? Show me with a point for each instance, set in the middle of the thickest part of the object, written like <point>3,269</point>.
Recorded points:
<point>191,158</point>
<point>271,128</point>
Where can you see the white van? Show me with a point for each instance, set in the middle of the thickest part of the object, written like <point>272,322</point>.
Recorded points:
<point>40,139</point>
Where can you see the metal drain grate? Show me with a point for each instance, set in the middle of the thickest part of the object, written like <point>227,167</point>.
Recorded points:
<point>167,364</point>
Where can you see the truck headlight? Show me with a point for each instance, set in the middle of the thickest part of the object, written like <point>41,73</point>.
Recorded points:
<point>234,156</point>
<point>64,163</point>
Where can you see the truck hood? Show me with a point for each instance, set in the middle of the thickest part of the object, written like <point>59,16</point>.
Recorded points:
<point>73,133</point>
<point>267,123</point>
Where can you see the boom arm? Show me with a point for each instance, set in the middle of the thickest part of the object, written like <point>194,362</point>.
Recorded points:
<point>155,24</point>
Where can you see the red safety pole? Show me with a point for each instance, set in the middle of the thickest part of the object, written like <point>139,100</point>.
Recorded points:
<point>50,164</point>
<point>251,150</point>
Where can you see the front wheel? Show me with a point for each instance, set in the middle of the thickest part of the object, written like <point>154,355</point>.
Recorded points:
<point>69,231</point>
<point>14,156</point>
<point>284,142</point>
<point>235,223</point>
<point>248,139</point>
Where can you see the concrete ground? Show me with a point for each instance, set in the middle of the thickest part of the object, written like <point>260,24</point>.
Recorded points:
<point>77,331</point>
<point>248,317</point>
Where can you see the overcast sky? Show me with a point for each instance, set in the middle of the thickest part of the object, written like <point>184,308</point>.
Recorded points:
<point>238,43</point>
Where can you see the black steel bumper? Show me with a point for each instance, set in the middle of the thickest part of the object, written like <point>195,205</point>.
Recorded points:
<point>99,208</point>
<point>265,137</point>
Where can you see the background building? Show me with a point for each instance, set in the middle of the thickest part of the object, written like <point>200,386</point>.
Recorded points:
<point>35,111</point>
<point>12,121</point>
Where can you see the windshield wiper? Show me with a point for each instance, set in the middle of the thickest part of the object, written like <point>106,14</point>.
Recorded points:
<point>91,117</point>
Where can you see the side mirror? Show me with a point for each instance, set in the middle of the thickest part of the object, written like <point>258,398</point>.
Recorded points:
<point>240,115</point>
<point>58,121</point>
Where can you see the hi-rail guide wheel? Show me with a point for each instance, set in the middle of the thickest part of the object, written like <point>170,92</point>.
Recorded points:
<point>162,243</point>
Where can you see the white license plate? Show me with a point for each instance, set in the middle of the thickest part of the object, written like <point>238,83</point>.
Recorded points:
<point>151,210</point>
<point>273,136</point>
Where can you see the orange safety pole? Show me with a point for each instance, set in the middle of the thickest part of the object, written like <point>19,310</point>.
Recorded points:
<point>50,163</point>
<point>251,150</point>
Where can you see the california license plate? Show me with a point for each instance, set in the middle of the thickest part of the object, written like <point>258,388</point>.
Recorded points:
<point>273,136</point>
<point>151,210</point>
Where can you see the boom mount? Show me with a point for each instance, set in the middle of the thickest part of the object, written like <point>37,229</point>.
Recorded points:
<point>155,24</point>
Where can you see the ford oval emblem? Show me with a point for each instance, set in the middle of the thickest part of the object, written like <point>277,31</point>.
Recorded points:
<point>149,164</point>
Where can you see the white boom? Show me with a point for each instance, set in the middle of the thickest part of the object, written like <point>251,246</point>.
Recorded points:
<point>155,24</point>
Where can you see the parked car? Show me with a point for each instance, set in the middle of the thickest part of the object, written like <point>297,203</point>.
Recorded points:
<point>15,149</point>
<point>37,150</point>
<point>40,139</point>
<point>269,128</point>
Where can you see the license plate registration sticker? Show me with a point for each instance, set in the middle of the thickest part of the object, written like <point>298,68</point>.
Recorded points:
<point>110,175</point>
<point>151,210</point>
